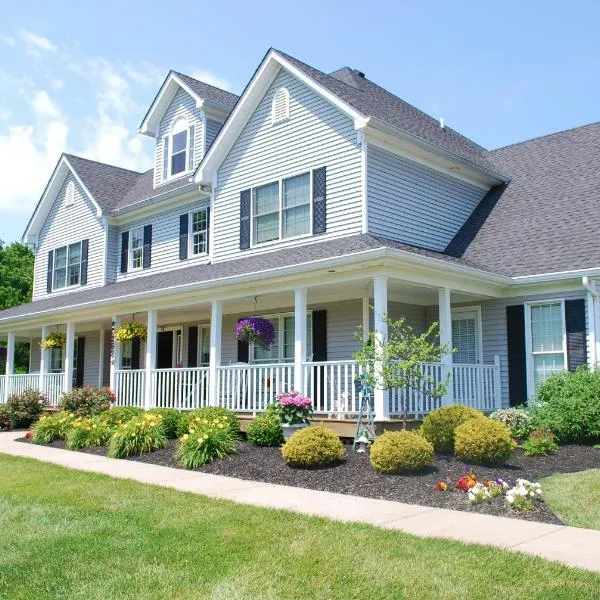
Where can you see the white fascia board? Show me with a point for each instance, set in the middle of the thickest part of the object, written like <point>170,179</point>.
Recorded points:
<point>556,275</point>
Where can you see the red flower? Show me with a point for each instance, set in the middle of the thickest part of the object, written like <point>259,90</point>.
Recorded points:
<point>29,435</point>
<point>441,486</point>
<point>466,482</point>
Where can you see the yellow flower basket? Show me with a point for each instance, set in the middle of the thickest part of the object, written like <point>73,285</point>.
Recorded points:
<point>131,331</point>
<point>53,340</point>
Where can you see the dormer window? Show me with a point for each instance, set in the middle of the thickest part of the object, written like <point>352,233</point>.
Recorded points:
<point>70,194</point>
<point>178,149</point>
<point>280,108</point>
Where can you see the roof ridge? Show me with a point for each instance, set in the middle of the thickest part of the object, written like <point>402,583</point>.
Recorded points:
<point>67,155</point>
<point>545,135</point>
<point>204,83</point>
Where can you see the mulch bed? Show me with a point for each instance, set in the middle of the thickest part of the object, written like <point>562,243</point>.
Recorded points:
<point>355,475</point>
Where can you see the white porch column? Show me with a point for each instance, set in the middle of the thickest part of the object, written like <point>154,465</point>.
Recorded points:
<point>380,307</point>
<point>300,296</point>
<point>216,326</point>
<point>445,318</point>
<point>69,356</point>
<point>10,363</point>
<point>43,360</point>
<point>150,358</point>
<point>102,350</point>
<point>115,354</point>
<point>366,321</point>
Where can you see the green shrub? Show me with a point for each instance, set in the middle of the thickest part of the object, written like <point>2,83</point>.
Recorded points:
<point>203,416</point>
<point>570,406</point>
<point>205,443</point>
<point>401,452</point>
<point>171,419</point>
<point>121,414</point>
<point>483,442</point>
<point>52,427</point>
<point>87,432</point>
<point>518,421</point>
<point>138,436</point>
<point>540,443</point>
<point>87,401</point>
<point>439,426</point>
<point>265,431</point>
<point>5,423</point>
<point>313,447</point>
<point>24,408</point>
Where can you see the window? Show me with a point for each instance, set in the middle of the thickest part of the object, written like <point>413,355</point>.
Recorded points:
<point>280,107</point>
<point>204,342</point>
<point>56,363</point>
<point>70,194</point>
<point>281,210</point>
<point>126,354</point>
<point>546,341</point>
<point>179,145</point>
<point>198,231</point>
<point>283,348</point>
<point>66,266</point>
<point>136,248</point>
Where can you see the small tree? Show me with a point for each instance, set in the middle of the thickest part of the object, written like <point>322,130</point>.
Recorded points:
<point>396,363</point>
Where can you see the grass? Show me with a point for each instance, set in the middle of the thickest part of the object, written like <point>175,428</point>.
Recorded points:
<point>69,534</point>
<point>575,497</point>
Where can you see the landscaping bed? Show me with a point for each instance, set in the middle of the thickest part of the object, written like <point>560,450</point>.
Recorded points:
<point>355,475</point>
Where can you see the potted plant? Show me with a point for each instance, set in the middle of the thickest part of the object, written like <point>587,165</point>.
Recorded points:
<point>53,340</point>
<point>293,410</point>
<point>131,331</point>
<point>256,329</point>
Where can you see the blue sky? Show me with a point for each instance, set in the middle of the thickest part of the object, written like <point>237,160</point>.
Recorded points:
<point>79,76</point>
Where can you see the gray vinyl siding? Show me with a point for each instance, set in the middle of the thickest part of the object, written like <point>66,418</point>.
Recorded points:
<point>165,241</point>
<point>212,129</point>
<point>112,254</point>
<point>182,105</point>
<point>317,134</point>
<point>415,204</point>
<point>91,360</point>
<point>35,356</point>
<point>68,225</point>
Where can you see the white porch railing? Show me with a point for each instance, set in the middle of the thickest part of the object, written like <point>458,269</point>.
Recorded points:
<point>17,384</point>
<point>2,379</point>
<point>129,387</point>
<point>53,386</point>
<point>249,388</point>
<point>183,389</point>
<point>330,384</point>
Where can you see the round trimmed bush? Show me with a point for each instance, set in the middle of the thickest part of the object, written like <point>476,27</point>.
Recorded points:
<point>24,408</point>
<point>171,419</point>
<point>313,447</point>
<point>265,431</point>
<point>401,452</point>
<point>439,426</point>
<point>204,416</point>
<point>483,442</point>
<point>86,401</point>
<point>120,414</point>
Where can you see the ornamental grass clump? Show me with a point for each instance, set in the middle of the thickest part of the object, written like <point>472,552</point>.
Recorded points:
<point>256,329</point>
<point>313,447</point>
<point>87,401</point>
<point>139,435</point>
<point>401,452</point>
<point>265,430</point>
<point>88,432</point>
<point>483,442</point>
<point>52,427</point>
<point>440,425</point>
<point>119,415</point>
<point>24,408</point>
<point>518,421</point>
<point>203,416</point>
<point>171,420</point>
<point>206,442</point>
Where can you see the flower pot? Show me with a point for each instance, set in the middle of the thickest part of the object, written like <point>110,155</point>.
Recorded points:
<point>289,430</point>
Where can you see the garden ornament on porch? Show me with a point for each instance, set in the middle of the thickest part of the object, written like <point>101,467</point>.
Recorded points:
<point>53,341</point>
<point>256,329</point>
<point>365,426</point>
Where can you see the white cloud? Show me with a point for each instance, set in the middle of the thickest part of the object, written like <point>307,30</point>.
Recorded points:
<point>43,105</point>
<point>210,78</point>
<point>36,44</point>
<point>8,40</point>
<point>56,84</point>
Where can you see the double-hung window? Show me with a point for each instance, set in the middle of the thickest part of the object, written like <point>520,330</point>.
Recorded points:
<point>198,231</point>
<point>281,210</point>
<point>56,360</point>
<point>283,348</point>
<point>66,266</point>
<point>136,248</point>
<point>546,341</point>
<point>126,354</point>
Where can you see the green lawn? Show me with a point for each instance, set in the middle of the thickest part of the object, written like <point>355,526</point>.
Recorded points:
<point>575,497</point>
<point>68,534</point>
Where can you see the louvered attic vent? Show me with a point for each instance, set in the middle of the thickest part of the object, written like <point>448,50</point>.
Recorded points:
<point>280,109</point>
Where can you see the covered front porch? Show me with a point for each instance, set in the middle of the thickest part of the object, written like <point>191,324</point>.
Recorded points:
<point>191,357</point>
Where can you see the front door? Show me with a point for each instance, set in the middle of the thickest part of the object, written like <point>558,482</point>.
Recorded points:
<point>164,350</point>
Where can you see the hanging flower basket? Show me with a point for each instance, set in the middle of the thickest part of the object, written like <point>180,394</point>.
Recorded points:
<point>256,329</point>
<point>53,340</point>
<point>131,331</point>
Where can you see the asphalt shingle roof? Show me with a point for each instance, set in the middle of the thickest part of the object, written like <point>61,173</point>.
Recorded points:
<point>545,219</point>
<point>209,92</point>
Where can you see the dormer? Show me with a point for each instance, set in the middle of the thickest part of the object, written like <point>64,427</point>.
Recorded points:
<point>184,119</point>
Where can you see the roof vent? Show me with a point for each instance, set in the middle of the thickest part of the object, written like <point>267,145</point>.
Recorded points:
<point>360,74</point>
<point>442,124</point>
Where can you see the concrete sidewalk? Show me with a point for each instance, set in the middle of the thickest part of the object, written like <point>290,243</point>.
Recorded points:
<point>570,545</point>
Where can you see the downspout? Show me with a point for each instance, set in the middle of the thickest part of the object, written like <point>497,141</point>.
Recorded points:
<point>592,301</point>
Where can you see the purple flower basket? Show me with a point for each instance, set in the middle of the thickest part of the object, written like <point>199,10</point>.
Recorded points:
<point>256,329</point>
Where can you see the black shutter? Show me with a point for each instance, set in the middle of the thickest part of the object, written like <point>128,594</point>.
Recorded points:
<point>576,342</point>
<point>193,347</point>
<point>135,353</point>
<point>243,351</point>
<point>80,362</point>
<point>49,272</point>
<point>124,251</point>
<point>319,346</point>
<point>207,229</point>
<point>245,198</point>
<point>85,244</point>
<point>517,369</point>
<point>147,259</point>
<point>183,236</point>
<point>319,200</point>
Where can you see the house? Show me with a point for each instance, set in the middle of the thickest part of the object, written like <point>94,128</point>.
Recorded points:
<point>322,202</point>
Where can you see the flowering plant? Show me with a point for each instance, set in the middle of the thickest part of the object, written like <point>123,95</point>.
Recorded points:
<point>292,408</point>
<point>53,340</point>
<point>484,492</point>
<point>441,486</point>
<point>256,329</point>
<point>131,331</point>
<point>467,481</point>
<point>522,496</point>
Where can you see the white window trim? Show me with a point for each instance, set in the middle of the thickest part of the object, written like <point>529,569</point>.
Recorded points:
<point>281,239</point>
<point>528,344</point>
<point>457,312</point>
<point>70,194</point>
<point>130,266</point>
<point>72,285</point>
<point>274,120</point>
<point>191,253</point>
<point>176,358</point>
<point>186,171</point>
<point>202,329</point>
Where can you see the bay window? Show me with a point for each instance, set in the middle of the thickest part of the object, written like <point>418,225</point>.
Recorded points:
<point>282,350</point>
<point>66,266</point>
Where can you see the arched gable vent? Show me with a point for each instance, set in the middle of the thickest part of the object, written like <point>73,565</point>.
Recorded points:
<point>70,194</point>
<point>280,108</point>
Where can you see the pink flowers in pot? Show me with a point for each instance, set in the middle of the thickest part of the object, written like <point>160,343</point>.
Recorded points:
<point>292,408</point>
